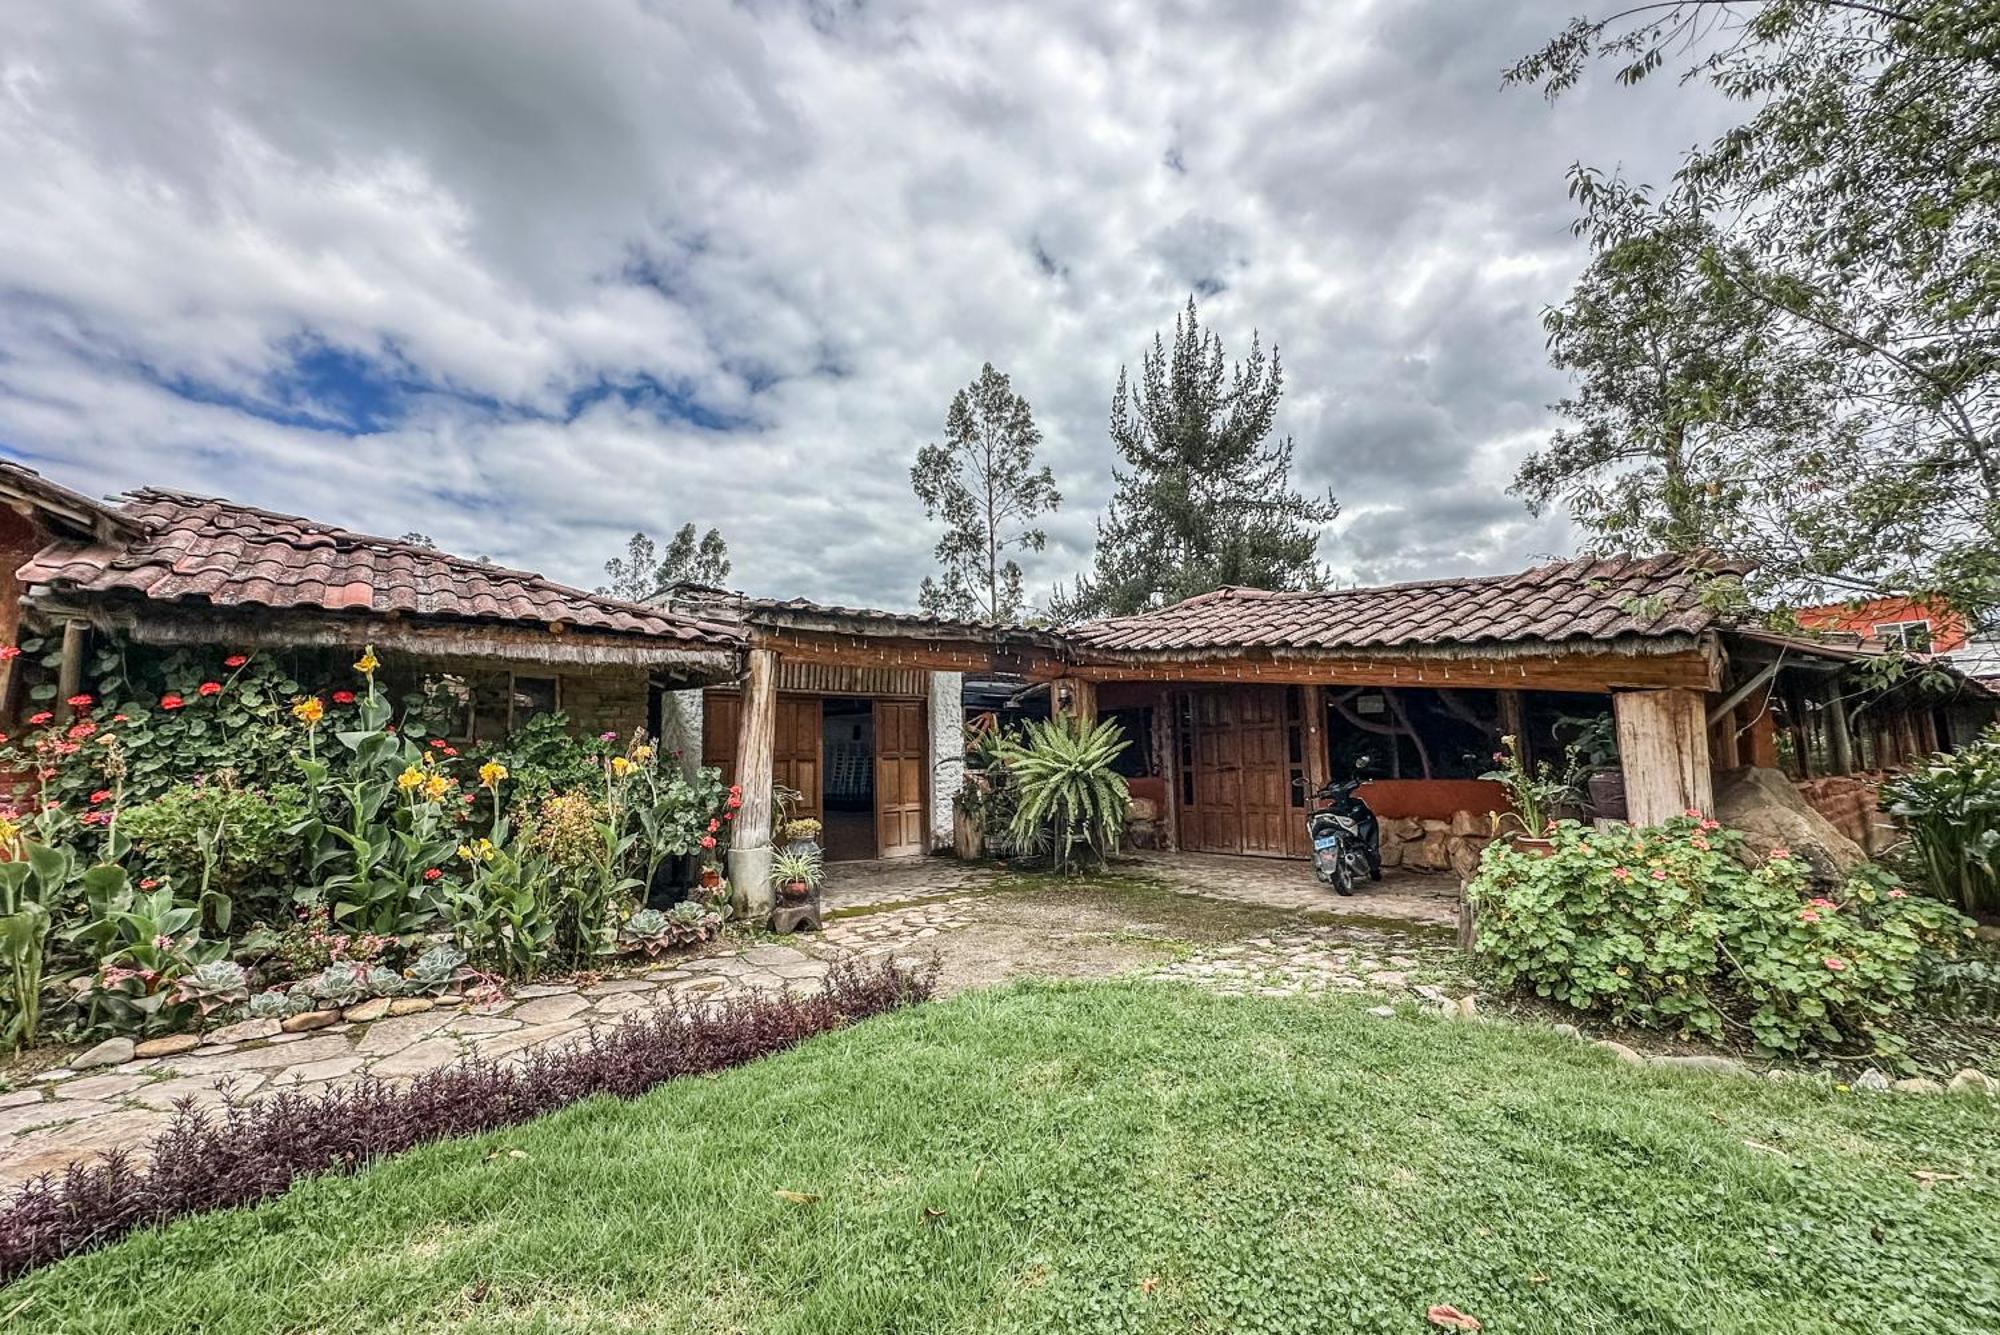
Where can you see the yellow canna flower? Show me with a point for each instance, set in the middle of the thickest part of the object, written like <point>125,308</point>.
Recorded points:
<point>309,710</point>
<point>410,778</point>
<point>491,773</point>
<point>436,787</point>
<point>367,663</point>
<point>620,765</point>
<point>642,753</point>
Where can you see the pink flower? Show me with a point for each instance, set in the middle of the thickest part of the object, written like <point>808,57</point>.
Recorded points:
<point>235,660</point>
<point>80,701</point>
<point>607,736</point>
<point>708,841</point>
<point>1835,963</point>
<point>433,874</point>
<point>1621,873</point>
<point>148,883</point>
<point>1693,814</point>
<point>83,729</point>
<point>1781,852</point>
<point>1711,825</point>
<point>343,697</point>
<point>12,651</point>
<point>171,701</point>
<point>1899,894</point>
<point>163,943</point>
<point>43,717</point>
<point>1699,842</point>
<point>100,796</point>
<point>1808,915</point>
<point>1659,873</point>
<point>209,688</point>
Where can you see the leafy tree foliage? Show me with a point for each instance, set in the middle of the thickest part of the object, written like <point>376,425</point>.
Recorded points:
<point>1205,498</point>
<point>1859,203</point>
<point>984,480</point>
<point>644,570</point>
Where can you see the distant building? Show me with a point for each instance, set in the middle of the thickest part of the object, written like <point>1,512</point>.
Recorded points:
<point>1900,623</point>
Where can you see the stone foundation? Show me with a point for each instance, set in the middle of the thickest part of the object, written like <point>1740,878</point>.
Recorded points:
<point>1453,845</point>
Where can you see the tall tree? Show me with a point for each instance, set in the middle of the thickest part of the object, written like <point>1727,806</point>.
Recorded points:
<point>644,571</point>
<point>985,481</point>
<point>1684,384</point>
<point>1205,497</point>
<point>1862,208</point>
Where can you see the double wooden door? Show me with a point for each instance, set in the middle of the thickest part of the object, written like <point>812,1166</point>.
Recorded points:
<point>1241,752</point>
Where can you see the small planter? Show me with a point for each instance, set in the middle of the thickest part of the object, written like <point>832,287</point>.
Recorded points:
<point>794,891</point>
<point>1534,848</point>
<point>711,878</point>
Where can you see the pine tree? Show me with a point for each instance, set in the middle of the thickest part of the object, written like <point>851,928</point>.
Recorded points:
<point>643,572</point>
<point>1205,498</point>
<point>985,482</point>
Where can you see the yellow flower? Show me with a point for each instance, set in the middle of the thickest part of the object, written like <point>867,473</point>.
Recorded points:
<point>309,710</point>
<point>642,753</point>
<point>410,778</point>
<point>436,787</point>
<point>367,663</point>
<point>620,765</point>
<point>480,851</point>
<point>491,773</point>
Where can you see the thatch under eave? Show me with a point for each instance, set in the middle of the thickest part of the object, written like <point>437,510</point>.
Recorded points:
<point>169,625</point>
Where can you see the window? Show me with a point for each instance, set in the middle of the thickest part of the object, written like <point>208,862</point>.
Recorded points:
<point>448,702</point>
<point>529,696</point>
<point>1912,635</point>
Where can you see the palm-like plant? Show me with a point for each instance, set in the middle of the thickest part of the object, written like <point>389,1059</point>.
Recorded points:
<point>1072,803</point>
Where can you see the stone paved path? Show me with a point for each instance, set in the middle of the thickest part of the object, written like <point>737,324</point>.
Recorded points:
<point>921,909</point>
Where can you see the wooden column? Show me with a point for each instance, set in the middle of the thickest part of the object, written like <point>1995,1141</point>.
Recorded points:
<point>1075,697</point>
<point>1314,705</point>
<point>69,676</point>
<point>1514,721</point>
<point>750,844</point>
<point>1663,749</point>
<point>1839,741</point>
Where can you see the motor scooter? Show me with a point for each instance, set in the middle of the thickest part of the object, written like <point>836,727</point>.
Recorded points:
<point>1346,837</point>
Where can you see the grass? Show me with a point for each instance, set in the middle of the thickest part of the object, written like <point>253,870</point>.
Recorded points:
<point>1115,1157</point>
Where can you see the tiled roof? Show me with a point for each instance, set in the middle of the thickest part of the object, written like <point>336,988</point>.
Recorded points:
<point>801,613</point>
<point>1588,599</point>
<point>199,549</point>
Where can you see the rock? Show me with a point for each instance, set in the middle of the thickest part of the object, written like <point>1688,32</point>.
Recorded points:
<point>1872,1081</point>
<point>243,1031</point>
<point>1465,1008</point>
<point>1764,805</point>
<point>1464,855</point>
<point>1142,810</point>
<point>548,1010</point>
<point>1620,1051</point>
<point>410,1005</point>
<point>307,1021</point>
<point>170,1046</point>
<point>1566,1031</point>
<point>1434,853</point>
<point>110,1052</point>
<point>1917,1085</point>
<point>366,1012</point>
<point>1383,1012</point>
<point>1970,1081</point>
<point>1403,830</point>
<point>1704,1065</point>
<point>1392,852</point>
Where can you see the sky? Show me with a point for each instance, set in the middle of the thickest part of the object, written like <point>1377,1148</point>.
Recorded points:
<point>526,276</point>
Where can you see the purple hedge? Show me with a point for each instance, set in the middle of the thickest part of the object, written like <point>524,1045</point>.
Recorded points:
<point>255,1151</point>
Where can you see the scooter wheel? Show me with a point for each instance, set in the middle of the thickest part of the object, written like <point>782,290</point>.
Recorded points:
<point>1343,880</point>
<point>1374,870</point>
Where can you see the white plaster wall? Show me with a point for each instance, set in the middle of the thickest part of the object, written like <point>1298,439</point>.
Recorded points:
<point>680,727</point>
<point>947,753</point>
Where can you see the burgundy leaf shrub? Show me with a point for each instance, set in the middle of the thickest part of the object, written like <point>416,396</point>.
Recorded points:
<point>251,1152</point>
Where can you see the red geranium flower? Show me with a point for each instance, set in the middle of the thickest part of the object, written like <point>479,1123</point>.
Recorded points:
<point>714,825</point>
<point>171,701</point>
<point>433,874</point>
<point>148,884</point>
<point>83,729</point>
<point>209,688</point>
<point>11,651</point>
<point>343,697</point>
<point>235,660</point>
<point>80,701</point>
<point>42,717</point>
<point>708,841</point>
<point>101,795</point>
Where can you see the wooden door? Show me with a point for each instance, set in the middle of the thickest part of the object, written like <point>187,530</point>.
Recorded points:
<point>795,754</point>
<point>900,746</point>
<point>721,717</point>
<point>1242,747</point>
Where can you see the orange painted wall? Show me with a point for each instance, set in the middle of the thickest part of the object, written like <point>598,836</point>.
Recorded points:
<point>1431,799</point>
<point>1947,627</point>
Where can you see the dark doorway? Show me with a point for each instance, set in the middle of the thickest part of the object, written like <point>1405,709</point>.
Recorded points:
<point>847,747</point>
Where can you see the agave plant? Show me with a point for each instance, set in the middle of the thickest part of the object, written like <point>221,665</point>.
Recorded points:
<point>1072,802</point>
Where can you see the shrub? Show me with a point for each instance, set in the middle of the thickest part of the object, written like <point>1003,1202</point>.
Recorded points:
<point>222,838</point>
<point>1949,806</point>
<point>543,758</point>
<point>1667,927</point>
<point>1071,802</point>
<point>255,1151</point>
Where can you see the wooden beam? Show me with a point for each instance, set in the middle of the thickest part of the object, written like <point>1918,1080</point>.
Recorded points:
<point>69,676</point>
<point>1663,749</point>
<point>1317,761</point>
<point>750,841</point>
<point>1514,722</point>
<point>878,651</point>
<point>1742,692</point>
<point>1580,672</point>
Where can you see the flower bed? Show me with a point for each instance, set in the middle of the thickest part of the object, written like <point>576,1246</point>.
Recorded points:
<point>254,1151</point>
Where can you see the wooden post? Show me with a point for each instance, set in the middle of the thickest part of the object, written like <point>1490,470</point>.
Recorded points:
<point>1839,741</point>
<point>750,843</point>
<point>1514,721</point>
<point>1075,697</point>
<point>69,676</point>
<point>1663,749</point>
<point>1314,705</point>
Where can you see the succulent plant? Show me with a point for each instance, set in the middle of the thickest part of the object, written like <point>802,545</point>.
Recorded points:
<point>384,981</point>
<point>435,970</point>
<point>653,931</point>
<point>214,985</point>
<point>276,1004</point>
<point>339,984</point>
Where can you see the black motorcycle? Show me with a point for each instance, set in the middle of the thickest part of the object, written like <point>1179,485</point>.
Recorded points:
<point>1346,837</point>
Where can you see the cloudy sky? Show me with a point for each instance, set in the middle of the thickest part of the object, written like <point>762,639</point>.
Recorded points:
<point>526,276</point>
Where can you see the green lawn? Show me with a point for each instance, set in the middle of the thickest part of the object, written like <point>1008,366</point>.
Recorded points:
<point>1123,1157</point>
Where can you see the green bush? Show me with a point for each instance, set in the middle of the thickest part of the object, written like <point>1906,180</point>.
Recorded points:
<point>1667,928</point>
<point>237,842</point>
<point>1950,808</point>
<point>543,758</point>
<point>1071,801</point>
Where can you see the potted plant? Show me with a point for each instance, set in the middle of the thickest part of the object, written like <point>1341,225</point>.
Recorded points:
<point>802,834</point>
<point>1532,793</point>
<point>796,873</point>
<point>711,876</point>
<point>1593,755</point>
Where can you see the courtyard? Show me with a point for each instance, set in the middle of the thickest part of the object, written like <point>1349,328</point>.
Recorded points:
<point>1232,925</point>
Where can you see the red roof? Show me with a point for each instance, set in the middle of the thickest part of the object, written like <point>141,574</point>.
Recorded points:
<point>1592,598</point>
<point>198,549</point>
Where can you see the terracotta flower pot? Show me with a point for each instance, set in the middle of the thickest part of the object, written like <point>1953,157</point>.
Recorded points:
<point>1534,848</point>
<point>711,879</point>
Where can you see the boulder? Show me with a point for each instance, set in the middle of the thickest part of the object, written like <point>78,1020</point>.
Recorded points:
<point>111,1052</point>
<point>1464,855</point>
<point>1403,829</point>
<point>1434,853</point>
<point>1917,1085</point>
<point>1392,852</point>
<point>306,1021</point>
<point>1971,1081</point>
<point>365,1012</point>
<point>1873,1081</point>
<point>1764,805</point>
<point>1620,1051</point>
<point>243,1031</point>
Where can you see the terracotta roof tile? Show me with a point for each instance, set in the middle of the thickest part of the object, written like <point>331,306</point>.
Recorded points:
<point>1601,598</point>
<point>197,548</point>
